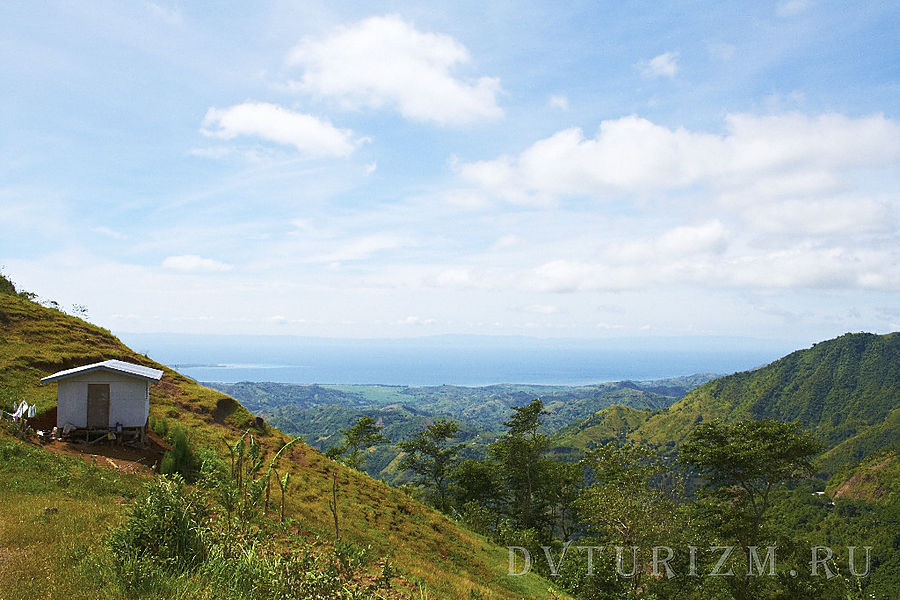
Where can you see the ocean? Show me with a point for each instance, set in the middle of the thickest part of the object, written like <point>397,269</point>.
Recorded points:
<point>450,360</point>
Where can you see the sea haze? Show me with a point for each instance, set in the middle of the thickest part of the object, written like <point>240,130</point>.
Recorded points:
<point>452,360</point>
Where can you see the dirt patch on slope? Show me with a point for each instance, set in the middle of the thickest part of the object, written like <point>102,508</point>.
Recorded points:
<point>224,407</point>
<point>126,459</point>
<point>863,485</point>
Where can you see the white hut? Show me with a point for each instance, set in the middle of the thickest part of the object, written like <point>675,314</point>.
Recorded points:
<point>104,396</point>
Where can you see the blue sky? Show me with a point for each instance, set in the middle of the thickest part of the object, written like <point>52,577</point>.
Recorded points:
<point>338,169</point>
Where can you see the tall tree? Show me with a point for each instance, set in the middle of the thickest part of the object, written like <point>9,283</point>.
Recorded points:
<point>563,482</point>
<point>519,452</point>
<point>626,506</point>
<point>361,435</point>
<point>431,456</point>
<point>475,488</point>
<point>476,481</point>
<point>743,462</point>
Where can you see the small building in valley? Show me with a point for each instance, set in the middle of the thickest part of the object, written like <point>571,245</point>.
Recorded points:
<point>104,397</point>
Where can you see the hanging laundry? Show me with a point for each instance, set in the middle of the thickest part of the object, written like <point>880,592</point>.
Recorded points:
<point>32,411</point>
<point>20,412</point>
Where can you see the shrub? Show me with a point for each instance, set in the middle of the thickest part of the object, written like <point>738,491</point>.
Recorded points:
<point>177,542</point>
<point>165,527</point>
<point>7,286</point>
<point>159,426</point>
<point>181,458</point>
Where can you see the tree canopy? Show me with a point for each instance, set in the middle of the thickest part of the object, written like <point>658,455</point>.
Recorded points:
<point>431,455</point>
<point>361,435</point>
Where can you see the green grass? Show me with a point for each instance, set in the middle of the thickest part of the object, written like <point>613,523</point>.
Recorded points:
<point>43,551</point>
<point>603,426</point>
<point>375,394</point>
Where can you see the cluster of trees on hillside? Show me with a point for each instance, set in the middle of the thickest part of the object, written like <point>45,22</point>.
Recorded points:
<point>732,512</point>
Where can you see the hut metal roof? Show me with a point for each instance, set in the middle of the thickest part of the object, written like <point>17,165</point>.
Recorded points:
<point>115,366</point>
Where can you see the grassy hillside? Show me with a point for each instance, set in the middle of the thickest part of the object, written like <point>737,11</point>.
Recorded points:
<point>845,390</point>
<point>56,510</point>
<point>36,341</point>
<point>613,423</point>
<point>876,479</point>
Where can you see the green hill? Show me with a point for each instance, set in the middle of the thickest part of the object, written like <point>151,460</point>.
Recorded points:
<point>613,423</point>
<point>484,408</point>
<point>317,413</point>
<point>845,390</point>
<point>41,553</point>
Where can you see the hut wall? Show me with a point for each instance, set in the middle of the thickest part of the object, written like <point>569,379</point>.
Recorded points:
<point>128,399</point>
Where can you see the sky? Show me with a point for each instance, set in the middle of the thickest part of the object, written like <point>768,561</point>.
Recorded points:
<point>401,169</point>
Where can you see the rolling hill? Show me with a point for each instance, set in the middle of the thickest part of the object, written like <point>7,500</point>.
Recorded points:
<point>609,424</point>
<point>449,561</point>
<point>318,412</point>
<point>845,390</point>
<point>484,407</point>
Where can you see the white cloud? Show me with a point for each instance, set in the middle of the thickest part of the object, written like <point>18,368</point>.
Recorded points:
<point>360,249</point>
<point>413,320</point>
<point>722,51</point>
<point>816,267</point>
<point>799,267</point>
<point>628,154</point>
<point>559,101</point>
<point>455,278</point>
<point>711,237</point>
<point>791,8</point>
<point>311,136</point>
<point>282,321</point>
<point>703,255</point>
<point>671,247</point>
<point>507,241</point>
<point>501,178</point>
<point>467,199</point>
<point>564,276</point>
<point>542,309</point>
<point>792,152</point>
<point>386,62</point>
<point>663,65</point>
<point>103,230</point>
<point>194,264</point>
<point>822,217</point>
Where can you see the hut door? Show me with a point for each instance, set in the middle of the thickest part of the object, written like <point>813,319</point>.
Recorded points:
<point>98,406</point>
